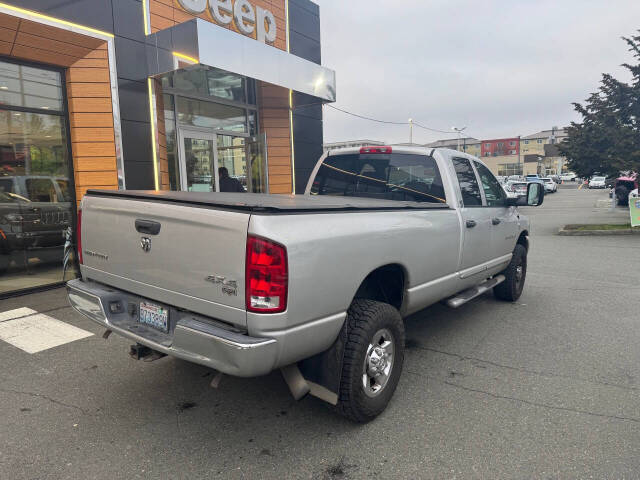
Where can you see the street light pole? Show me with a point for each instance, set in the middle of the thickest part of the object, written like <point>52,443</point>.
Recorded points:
<point>459,130</point>
<point>411,131</point>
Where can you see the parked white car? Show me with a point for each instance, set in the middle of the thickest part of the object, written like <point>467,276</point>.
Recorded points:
<point>549,185</point>
<point>568,177</point>
<point>597,182</point>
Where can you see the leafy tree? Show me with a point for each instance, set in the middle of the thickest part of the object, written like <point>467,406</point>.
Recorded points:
<point>607,141</point>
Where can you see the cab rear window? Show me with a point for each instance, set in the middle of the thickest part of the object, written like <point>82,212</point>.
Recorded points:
<point>394,176</point>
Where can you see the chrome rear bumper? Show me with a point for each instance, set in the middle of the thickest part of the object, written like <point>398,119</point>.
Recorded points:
<point>194,338</point>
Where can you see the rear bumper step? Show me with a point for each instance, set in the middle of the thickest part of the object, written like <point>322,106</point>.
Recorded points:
<point>471,293</point>
<point>194,338</point>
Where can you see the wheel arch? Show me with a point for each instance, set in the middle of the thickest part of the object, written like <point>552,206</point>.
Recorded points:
<point>386,284</point>
<point>524,240</point>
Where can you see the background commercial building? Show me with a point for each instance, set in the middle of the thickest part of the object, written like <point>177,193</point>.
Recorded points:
<point>148,94</point>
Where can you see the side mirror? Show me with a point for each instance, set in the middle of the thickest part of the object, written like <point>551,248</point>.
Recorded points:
<point>535,194</point>
<point>533,198</point>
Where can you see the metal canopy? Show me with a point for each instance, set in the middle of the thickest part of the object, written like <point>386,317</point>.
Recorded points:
<point>213,46</point>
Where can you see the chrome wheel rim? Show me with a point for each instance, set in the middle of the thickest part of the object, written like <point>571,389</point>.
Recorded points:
<point>378,363</point>
<point>519,272</point>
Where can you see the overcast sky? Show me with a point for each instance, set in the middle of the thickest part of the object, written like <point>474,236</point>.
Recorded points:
<point>500,67</point>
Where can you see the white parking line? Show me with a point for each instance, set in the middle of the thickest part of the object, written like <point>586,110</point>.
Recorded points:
<point>18,312</point>
<point>33,332</point>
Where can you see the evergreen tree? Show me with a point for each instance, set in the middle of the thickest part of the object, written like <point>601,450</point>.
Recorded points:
<point>607,141</point>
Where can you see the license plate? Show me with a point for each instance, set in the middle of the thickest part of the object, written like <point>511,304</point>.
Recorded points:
<point>154,316</point>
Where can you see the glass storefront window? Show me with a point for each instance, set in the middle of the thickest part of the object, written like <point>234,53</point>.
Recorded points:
<point>170,133</point>
<point>24,86</point>
<point>216,116</point>
<point>36,195</point>
<point>212,82</point>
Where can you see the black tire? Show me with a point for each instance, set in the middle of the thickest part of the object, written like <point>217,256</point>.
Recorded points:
<point>511,289</point>
<point>366,319</point>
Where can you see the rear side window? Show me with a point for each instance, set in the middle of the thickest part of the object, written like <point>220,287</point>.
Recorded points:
<point>468,183</point>
<point>394,176</point>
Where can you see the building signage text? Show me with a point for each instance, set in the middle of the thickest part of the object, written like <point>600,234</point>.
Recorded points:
<point>241,12</point>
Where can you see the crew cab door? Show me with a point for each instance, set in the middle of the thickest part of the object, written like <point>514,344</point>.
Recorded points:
<point>504,219</point>
<point>476,221</point>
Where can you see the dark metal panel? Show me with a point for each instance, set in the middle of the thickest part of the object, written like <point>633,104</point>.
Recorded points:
<point>136,142</point>
<point>304,47</point>
<point>304,22</point>
<point>128,19</point>
<point>307,5</point>
<point>134,104</point>
<point>139,175</point>
<point>91,13</point>
<point>307,129</point>
<point>131,59</point>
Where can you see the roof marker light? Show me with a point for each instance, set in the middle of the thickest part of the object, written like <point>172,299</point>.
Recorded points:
<point>375,150</point>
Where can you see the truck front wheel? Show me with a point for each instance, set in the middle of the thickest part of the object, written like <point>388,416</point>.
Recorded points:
<point>515,274</point>
<point>373,357</point>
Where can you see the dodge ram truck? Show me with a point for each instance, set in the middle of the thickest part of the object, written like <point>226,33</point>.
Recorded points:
<point>316,284</point>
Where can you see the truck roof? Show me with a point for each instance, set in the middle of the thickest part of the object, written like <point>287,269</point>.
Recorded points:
<point>266,203</point>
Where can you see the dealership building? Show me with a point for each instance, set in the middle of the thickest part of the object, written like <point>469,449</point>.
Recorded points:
<point>151,94</point>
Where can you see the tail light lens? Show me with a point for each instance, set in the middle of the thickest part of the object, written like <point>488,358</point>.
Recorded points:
<point>79,235</point>
<point>266,276</point>
<point>376,150</point>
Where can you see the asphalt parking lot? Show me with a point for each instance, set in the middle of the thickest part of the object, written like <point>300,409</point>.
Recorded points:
<point>547,387</point>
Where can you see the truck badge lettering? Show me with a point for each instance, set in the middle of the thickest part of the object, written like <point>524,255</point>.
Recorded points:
<point>229,287</point>
<point>145,244</point>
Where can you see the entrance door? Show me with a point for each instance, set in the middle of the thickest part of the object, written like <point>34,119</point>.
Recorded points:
<point>198,161</point>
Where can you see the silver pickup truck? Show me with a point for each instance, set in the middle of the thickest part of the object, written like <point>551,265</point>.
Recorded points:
<point>316,284</point>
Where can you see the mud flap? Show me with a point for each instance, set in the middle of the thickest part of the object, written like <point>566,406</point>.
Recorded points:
<point>323,371</point>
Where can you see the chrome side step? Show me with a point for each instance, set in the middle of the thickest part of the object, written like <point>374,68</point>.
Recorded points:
<point>471,293</point>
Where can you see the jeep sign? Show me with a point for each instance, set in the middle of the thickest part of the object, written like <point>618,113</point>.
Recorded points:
<point>241,12</point>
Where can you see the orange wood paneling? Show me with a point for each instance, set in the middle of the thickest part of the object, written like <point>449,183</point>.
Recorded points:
<point>104,134</point>
<point>91,90</point>
<point>79,120</point>
<point>89,104</point>
<point>88,92</point>
<point>274,121</point>
<point>99,75</point>
<point>93,149</point>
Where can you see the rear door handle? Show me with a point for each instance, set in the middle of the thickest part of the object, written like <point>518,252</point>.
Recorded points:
<point>471,223</point>
<point>495,221</point>
<point>148,227</point>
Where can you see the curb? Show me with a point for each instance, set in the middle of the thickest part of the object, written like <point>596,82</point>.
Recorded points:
<point>587,233</point>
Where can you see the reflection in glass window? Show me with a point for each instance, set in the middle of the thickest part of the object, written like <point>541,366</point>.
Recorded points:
<point>468,183</point>
<point>493,191</point>
<point>171,138</point>
<point>211,115</point>
<point>30,87</point>
<point>396,176</point>
<point>36,198</point>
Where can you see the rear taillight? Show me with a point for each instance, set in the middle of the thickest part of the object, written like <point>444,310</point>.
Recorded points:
<point>79,235</point>
<point>266,276</point>
<point>375,150</point>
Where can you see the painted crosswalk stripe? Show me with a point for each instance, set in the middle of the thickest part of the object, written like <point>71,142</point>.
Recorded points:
<point>34,332</point>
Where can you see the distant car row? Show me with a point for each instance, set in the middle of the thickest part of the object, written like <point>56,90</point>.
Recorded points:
<point>516,185</point>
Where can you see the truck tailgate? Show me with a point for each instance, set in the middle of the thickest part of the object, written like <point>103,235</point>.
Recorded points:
<point>195,261</point>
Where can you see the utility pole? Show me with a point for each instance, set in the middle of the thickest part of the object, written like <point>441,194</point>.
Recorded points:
<point>520,172</point>
<point>411,131</point>
<point>459,131</point>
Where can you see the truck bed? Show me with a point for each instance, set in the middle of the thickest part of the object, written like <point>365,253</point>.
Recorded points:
<point>265,203</point>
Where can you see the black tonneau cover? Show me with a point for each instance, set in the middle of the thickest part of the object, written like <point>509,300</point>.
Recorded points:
<point>265,203</point>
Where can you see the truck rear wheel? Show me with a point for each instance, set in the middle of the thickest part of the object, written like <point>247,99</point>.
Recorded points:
<point>373,357</point>
<point>515,275</point>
